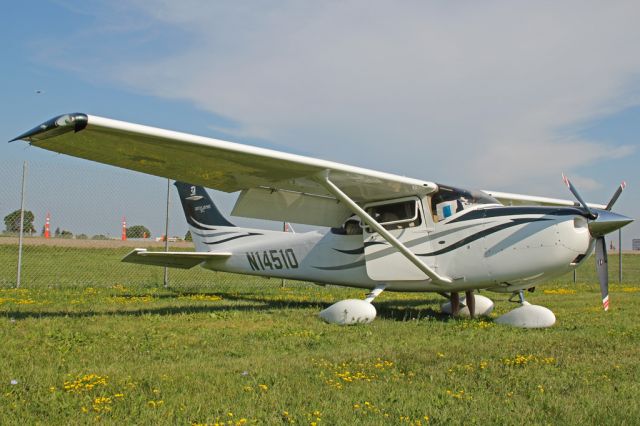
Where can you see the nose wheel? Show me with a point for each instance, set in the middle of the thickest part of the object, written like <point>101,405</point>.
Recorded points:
<point>527,315</point>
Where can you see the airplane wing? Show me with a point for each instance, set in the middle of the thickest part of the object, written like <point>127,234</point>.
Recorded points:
<point>172,259</point>
<point>509,199</point>
<point>285,185</point>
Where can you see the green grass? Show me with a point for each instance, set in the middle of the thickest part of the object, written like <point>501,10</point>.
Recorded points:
<point>98,343</point>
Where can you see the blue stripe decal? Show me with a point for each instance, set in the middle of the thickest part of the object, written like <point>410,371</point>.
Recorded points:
<point>357,264</point>
<point>251,234</point>
<point>481,234</point>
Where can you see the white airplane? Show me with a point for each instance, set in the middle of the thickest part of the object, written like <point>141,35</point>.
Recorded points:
<point>387,232</point>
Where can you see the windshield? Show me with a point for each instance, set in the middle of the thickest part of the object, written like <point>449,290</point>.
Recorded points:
<point>449,200</point>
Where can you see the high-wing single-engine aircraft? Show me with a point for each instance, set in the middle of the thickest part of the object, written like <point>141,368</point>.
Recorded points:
<point>387,232</point>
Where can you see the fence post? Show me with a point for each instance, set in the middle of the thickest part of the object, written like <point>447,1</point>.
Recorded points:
<point>24,178</point>
<point>166,232</point>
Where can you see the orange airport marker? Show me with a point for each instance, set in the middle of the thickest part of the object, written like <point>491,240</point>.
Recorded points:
<point>47,226</point>
<point>124,228</point>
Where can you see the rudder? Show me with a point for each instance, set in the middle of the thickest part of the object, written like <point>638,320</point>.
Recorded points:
<point>199,209</point>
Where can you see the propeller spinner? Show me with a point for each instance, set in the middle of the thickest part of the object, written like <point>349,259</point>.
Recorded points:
<point>601,222</point>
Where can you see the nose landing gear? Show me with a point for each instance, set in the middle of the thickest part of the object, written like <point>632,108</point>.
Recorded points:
<point>527,315</point>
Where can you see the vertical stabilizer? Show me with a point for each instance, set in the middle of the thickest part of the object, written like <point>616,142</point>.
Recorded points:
<point>199,209</point>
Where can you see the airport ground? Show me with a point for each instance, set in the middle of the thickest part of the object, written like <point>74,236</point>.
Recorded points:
<point>92,340</point>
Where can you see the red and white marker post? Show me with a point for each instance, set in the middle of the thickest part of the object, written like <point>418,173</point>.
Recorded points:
<point>47,226</point>
<point>124,228</point>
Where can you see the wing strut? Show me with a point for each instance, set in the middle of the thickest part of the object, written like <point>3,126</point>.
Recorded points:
<point>333,189</point>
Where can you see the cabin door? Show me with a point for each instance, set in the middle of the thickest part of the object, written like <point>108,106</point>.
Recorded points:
<point>404,219</point>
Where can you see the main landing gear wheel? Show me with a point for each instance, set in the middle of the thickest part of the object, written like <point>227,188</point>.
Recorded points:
<point>353,311</point>
<point>528,315</point>
<point>483,306</point>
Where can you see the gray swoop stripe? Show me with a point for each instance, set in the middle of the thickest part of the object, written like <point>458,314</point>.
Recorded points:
<point>359,250</point>
<point>214,235</point>
<point>481,234</point>
<point>342,267</point>
<point>375,243</point>
<point>251,234</point>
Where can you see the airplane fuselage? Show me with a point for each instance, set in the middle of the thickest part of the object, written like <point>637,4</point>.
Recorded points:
<point>487,246</point>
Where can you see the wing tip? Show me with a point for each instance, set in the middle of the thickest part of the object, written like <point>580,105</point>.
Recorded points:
<point>75,121</point>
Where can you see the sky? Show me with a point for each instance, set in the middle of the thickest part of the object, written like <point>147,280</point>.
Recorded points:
<point>497,95</point>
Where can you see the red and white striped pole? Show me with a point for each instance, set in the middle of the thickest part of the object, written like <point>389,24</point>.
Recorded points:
<point>124,228</point>
<point>47,227</point>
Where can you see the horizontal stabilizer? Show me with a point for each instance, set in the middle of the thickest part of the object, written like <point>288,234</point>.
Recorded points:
<point>172,259</point>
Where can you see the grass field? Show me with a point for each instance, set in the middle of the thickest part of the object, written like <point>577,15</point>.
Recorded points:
<point>93,342</point>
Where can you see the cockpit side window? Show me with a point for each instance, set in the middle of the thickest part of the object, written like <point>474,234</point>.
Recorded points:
<point>399,215</point>
<point>449,201</point>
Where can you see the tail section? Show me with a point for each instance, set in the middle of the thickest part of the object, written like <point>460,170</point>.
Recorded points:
<point>199,209</point>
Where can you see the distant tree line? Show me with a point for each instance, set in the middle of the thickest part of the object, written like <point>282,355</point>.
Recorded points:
<point>12,222</point>
<point>138,231</point>
<point>12,226</point>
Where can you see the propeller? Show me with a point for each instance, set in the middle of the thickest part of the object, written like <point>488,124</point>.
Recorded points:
<point>613,199</point>
<point>601,223</point>
<point>576,194</point>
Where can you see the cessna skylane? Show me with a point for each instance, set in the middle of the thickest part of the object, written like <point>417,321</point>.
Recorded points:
<point>386,232</point>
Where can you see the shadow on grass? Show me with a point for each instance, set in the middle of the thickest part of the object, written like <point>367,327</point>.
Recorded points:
<point>395,310</point>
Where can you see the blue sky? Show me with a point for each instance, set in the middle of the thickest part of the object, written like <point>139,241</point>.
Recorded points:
<point>487,95</point>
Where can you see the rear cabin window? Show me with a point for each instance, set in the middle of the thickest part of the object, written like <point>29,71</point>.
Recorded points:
<point>404,214</point>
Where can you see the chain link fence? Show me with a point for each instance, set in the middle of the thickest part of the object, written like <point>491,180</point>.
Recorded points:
<point>86,204</point>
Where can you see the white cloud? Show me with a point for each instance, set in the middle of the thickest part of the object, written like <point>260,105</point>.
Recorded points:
<point>484,94</point>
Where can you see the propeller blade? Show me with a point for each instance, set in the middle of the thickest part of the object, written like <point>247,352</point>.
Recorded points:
<point>616,195</point>
<point>602,269</point>
<point>575,193</point>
